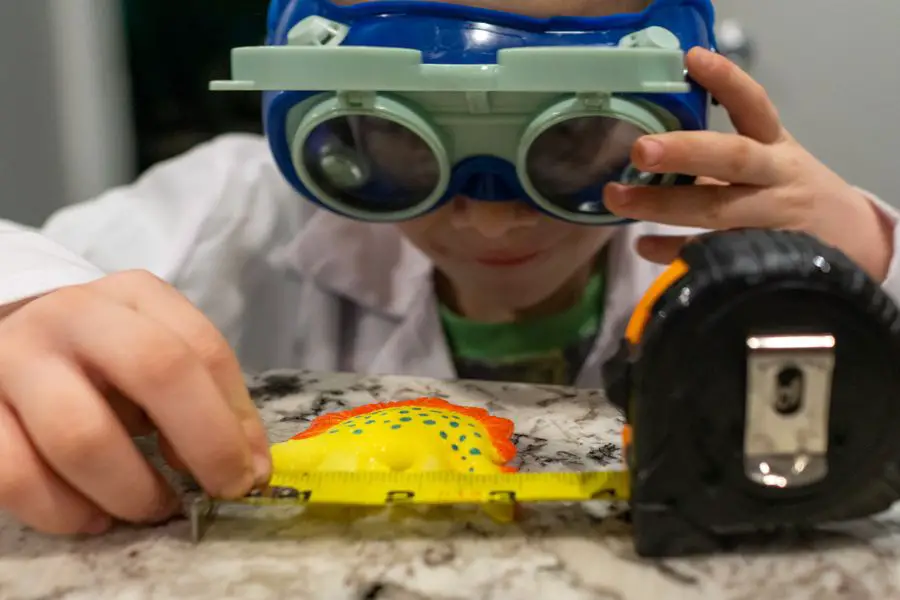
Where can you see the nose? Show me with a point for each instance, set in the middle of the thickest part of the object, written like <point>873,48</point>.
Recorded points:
<point>492,219</point>
<point>487,186</point>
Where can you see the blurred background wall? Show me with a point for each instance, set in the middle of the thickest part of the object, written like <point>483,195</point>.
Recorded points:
<point>92,92</point>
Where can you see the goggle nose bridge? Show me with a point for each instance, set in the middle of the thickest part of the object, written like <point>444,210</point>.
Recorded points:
<point>486,178</point>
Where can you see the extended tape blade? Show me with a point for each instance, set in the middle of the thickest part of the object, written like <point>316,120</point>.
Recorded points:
<point>384,489</point>
<point>380,489</point>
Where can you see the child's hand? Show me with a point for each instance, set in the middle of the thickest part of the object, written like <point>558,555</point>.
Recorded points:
<point>758,178</point>
<point>85,368</point>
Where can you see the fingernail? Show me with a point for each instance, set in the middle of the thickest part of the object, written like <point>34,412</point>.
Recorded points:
<point>261,457</point>
<point>97,525</point>
<point>262,468</point>
<point>651,152</point>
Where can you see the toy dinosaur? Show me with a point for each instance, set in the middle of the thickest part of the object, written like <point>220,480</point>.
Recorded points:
<point>425,434</point>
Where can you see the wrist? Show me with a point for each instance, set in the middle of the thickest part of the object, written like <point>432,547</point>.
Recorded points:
<point>866,236</point>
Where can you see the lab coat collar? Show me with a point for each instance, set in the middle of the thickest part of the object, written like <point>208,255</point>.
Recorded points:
<point>372,265</point>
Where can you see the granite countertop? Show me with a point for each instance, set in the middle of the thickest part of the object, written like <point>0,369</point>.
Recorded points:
<point>574,555</point>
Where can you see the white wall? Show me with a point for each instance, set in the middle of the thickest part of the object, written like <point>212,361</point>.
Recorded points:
<point>64,106</point>
<point>831,67</point>
<point>94,102</point>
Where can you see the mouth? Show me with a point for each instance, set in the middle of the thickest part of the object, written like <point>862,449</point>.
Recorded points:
<point>506,260</point>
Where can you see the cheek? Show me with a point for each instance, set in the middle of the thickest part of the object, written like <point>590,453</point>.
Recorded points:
<point>423,231</point>
<point>575,251</point>
<point>585,241</point>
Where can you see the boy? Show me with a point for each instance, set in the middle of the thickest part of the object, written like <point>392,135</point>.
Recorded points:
<point>122,315</point>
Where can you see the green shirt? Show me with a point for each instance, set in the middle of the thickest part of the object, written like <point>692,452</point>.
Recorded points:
<point>547,350</point>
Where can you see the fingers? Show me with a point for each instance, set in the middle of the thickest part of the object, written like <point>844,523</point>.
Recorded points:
<point>705,207</point>
<point>135,420</point>
<point>74,390</point>
<point>170,455</point>
<point>91,450</point>
<point>159,372</point>
<point>747,102</point>
<point>721,156</point>
<point>32,493</point>
<point>661,249</point>
<point>159,301</point>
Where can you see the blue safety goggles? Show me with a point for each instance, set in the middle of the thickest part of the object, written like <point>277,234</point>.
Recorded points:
<point>385,110</point>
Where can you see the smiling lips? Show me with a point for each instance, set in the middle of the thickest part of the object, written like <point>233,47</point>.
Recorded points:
<point>506,260</point>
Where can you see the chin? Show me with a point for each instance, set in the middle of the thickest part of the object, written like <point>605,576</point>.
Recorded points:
<point>525,290</point>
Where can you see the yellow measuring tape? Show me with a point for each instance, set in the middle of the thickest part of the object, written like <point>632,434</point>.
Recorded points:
<point>373,488</point>
<point>383,488</point>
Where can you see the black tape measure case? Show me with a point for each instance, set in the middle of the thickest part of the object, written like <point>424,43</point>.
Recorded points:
<point>761,382</point>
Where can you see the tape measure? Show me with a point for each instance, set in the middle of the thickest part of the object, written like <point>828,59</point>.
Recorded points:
<point>384,488</point>
<point>761,377</point>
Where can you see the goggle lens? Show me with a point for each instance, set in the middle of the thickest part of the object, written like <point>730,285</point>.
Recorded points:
<point>377,167</point>
<point>371,164</point>
<point>569,163</point>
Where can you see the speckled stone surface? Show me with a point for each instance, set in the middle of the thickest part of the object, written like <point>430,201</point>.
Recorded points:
<point>561,553</point>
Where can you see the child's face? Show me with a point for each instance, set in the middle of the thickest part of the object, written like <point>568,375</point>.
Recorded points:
<point>508,251</point>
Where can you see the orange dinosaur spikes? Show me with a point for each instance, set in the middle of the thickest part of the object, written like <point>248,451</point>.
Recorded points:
<point>421,434</point>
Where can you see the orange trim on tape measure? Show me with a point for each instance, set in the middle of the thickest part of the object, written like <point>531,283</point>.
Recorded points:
<point>626,437</point>
<point>641,314</point>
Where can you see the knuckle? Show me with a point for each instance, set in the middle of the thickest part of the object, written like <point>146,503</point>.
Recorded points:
<point>131,283</point>
<point>790,162</point>
<point>159,362</point>
<point>798,204</point>
<point>739,159</point>
<point>78,442</point>
<point>41,322</point>
<point>715,209</point>
<point>213,350</point>
<point>135,277</point>
<point>56,307</point>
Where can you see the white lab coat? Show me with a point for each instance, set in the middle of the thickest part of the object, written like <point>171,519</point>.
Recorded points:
<point>290,285</point>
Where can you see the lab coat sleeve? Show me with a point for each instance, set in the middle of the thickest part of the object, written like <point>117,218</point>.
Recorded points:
<point>194,221</point>
<point>33,265</point>
<point>159,222</point>
<point>891,283</point>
